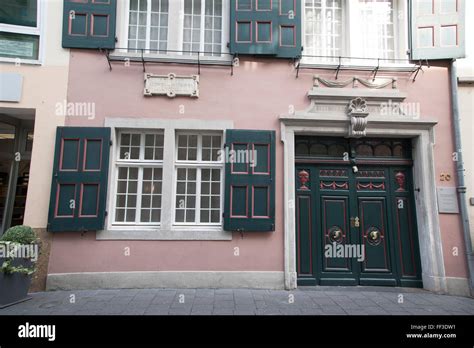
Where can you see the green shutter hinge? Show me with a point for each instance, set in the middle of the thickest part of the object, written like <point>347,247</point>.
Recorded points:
<point>111,143</point>
<point>273,227</point>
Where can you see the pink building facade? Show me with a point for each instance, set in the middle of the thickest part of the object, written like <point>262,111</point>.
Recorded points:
<point>358,153</point>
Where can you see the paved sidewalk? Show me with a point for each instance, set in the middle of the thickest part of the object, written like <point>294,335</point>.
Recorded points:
<point>303,301</point>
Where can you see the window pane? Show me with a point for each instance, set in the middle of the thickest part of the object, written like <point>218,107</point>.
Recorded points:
<point>210,147</point>
<point>129,146</point>
<point>186,194</point>
<point>14,45</point>
<point>187,147</point>
<point>210,200</point>
<point>158,14</point>
<point>154,147</point>
<point>323,29</point>
<point>126,199</point>
<point>213,27</point>
<point>19,12</point>
<point>151,195</point>
<point>376,25</point>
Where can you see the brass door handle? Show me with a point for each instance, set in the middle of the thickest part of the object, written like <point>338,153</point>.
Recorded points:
<point>355,221</point>
<point>374,235</point>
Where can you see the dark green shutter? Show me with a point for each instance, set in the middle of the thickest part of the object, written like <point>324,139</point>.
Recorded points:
<point>79,185</point>
<point>437,29</point>
<point>249,181</point>
<point>266,27</point>
<point>89,24</point>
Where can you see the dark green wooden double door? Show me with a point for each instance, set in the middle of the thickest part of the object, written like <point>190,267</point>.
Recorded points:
<point>356,228</point>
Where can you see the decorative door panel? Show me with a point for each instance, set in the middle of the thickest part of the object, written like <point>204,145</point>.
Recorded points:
<point>306,211</point>
<point>335,233</point>
<point>304,235</point>
<point>374,233</point>
<point>404,227</point>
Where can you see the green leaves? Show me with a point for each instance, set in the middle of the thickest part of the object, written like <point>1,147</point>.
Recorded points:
<point>8,268</point>
<point>13,240</point>
<point>20,234</point>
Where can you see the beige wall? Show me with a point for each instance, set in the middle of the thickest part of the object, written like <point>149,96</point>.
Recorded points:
<point>44,85</point>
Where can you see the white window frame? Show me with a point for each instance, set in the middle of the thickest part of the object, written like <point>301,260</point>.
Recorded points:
<point>344,30</point>
<point>400,8</point>
<point>133,163</point>
<point>37,31</point>
<point>167,230</point>
<point>199,164</point>
<point>175,33</point>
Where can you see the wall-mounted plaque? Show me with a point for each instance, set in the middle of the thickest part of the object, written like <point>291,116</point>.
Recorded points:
<point>447,200</point>
<point>172,85</point>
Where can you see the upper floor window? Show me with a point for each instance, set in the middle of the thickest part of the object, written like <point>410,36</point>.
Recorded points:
<point>361,28</point>
<point>178,27</point>
<point>20,29</point>
<point>148,24</point>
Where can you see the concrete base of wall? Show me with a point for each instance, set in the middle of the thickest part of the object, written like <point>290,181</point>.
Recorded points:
<point>458,286</point>
<point>193,279</point>
<point>39,278</point>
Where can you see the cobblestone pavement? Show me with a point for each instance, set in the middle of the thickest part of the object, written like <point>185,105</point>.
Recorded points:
<point>303,301</point>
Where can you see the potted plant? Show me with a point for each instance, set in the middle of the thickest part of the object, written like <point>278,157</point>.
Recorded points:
<point>19,251</point>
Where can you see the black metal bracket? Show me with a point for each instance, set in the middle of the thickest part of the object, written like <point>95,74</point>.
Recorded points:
<point>418,69</point>
<point>199,64</point>
<point>143,61</point>
<point>234,56</point>
<point>376,70</point>
<point>297,66</point>
<point>338,67</point>
<point>107,55</point>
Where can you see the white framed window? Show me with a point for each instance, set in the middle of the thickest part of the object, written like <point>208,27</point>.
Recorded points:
<point>174,28</point>
<point>139,178</point>
<point>148,24</point>
<point>20,31</point>
<point>324,28</point>
<point>360,29</point>
<point>198,183</point>
<point>202,27</point>
<point>150,152</point>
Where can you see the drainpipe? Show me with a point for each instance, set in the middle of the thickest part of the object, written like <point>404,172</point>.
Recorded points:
<point>461,189</point>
